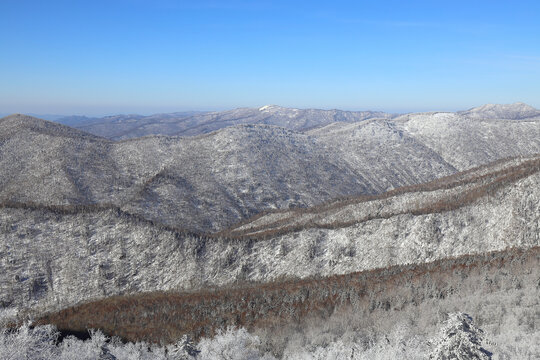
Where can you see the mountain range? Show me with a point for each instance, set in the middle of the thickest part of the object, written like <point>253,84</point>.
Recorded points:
<point>55,257</point>
<point>302,225</point>
<point>118,127</point>
<point>208,182</point>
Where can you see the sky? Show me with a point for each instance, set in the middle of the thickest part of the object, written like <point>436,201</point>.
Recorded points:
<point>137,56</point>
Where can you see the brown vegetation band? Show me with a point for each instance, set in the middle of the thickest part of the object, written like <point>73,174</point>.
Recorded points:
<point>165,316</point>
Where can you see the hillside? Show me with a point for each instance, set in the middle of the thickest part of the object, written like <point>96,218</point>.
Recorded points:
<point>209,182</point>
<point>277,309</point>
<point>444,194</point>
<point>464,142</point>
<point>55,257</point>
<point>45,162</point>
<point>201,183</point>
<point>396,149</point>
<point>350,235</point>
<point>479,305</point>
<point>122,126</point>
<point>392,156</point>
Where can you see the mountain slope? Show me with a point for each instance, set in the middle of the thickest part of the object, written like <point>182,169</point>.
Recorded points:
<point>443,194</point>
<point>392,157</point>
<point>208,182</point>
<point>129,126</point>
<point>202,183</point>
<point>56,257</point>
<point>516,111</point>
<point>464,143</point>
<point>397,288</point>
<point>484,283</point>
<point>45,162</point>
<point>415,148</point>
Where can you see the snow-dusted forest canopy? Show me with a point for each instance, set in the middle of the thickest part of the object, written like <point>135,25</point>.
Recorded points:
<point>280,234</point>
<point>457,337</point>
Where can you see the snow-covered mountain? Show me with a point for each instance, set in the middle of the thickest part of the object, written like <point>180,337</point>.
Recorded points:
<point>58,256</point>
<point>395,312</point>
<point>464,142</point>
<point>192,123</point>
<point>208,182</point>
<point>516,111</point>
<point>199,183</point>
<point>119,127</point>
<point>84,218</point>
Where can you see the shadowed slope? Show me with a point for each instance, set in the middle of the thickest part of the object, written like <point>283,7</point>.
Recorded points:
<point>203,183</point>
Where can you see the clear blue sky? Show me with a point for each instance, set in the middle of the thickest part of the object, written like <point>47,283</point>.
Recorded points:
<point>137,56</point>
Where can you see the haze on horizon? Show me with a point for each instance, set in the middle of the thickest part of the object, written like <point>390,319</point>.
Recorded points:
<point>136,56</point>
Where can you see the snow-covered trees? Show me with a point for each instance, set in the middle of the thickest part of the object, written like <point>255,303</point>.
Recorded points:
<point>26,343</point>
<point>232,344</point>
<point>42,343</point>
<point>459,339</point>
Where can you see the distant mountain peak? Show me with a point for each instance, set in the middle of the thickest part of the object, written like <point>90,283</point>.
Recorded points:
<point>513,106</point>
<point>270,107</point>
<point>517,110</point>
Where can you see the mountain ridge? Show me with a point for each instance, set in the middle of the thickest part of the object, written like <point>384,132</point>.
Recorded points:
<point>119,127</point>
<point>518,110</point>
<point>191,123</point>
<point>86,219</point>
<point>247,168</point>
<point>103,252</point>
<point>204,181</point>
